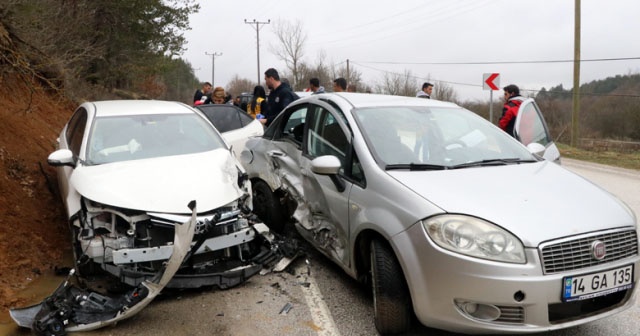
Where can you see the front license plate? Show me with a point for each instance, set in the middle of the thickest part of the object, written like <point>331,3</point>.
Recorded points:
<point>591,285</point>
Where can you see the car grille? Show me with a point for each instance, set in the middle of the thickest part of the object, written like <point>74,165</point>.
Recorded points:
<point>575,252</point>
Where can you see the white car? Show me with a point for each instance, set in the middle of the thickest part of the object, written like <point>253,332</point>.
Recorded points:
<point>127,170</point>
<point>445,215</point>
<point>235,124</point>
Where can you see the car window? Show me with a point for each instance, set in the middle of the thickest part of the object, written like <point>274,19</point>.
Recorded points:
<point>224,118</point>
<point>124,138</point>
<point>433,135</point>
<point>530,126</point>
<point>245,119</point>
<point>293,126</point>
<point>75,130</point>
<point>325,137</point>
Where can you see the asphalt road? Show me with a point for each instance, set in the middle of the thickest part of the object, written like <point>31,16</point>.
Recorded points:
<point>318,298</point>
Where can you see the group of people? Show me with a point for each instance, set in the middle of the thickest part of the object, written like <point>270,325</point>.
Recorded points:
<point>262,107</point>
<point>266,108</point>
<point>209,95</point>
<point>512,101</point>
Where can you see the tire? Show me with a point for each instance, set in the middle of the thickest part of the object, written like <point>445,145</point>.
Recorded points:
<point>266,206</point>
<point>391,298</point>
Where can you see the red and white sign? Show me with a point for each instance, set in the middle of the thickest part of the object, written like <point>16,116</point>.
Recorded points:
<point>491,81</point>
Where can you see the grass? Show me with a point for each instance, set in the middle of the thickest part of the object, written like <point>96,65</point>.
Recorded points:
<point>623,160</point>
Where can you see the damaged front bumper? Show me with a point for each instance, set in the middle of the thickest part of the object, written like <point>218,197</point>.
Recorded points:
<point>74,308</point>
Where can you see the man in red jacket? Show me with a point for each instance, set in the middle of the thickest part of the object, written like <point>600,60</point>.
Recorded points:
<point>512,101</point>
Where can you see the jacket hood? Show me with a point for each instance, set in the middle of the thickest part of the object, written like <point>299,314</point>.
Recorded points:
<point>165,184</point>
<point>536,202</point>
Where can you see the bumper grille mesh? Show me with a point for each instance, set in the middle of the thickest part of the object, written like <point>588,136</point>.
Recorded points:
<point>575,252</point>
<point>514,315</point>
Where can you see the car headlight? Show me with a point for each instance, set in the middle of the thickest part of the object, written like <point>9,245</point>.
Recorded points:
<point>474,237</point>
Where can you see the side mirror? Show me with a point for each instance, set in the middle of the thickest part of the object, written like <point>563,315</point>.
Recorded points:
<point>536,148</point>
<point>328,165</point>
<point>61,157</point>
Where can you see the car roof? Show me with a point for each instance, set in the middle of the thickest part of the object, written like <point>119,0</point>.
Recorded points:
<point>107,108</point>
<point>358,100</point>
<point>206,107</point>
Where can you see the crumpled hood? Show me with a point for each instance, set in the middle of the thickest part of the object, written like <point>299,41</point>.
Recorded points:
<point>536,202</point>
<point>165,184</point>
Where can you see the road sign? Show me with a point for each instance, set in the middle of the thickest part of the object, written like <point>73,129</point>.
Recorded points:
<point>491,81</point>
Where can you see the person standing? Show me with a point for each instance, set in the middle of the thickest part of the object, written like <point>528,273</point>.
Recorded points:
<point>339,85</point>
<point>202,95</point>
<point>258,105</point>
<point>315,87</point>
<point>427,89</point>
<point>512,101</point>
<point>280,95</point>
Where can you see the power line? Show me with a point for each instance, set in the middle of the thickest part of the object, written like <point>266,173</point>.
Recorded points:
<point>502,62</point>
<point>521,89</point>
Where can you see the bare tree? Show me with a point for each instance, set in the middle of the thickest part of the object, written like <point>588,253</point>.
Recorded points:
<point>290,49</point>
<point>444,91</point>
<point>352,75</point>
<point>398,84</point>
<point>239,85</point>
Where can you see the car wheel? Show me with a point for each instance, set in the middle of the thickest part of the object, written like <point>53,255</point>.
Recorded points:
<point>267,206</point>
<point>391,298</point>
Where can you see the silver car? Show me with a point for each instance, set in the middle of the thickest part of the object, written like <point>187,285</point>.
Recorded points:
<point>444,215</point>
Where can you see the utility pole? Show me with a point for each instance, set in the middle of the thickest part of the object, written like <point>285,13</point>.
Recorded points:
<point>213,65</point>
<point>347,74</point>
<point>257,28</point>
<point>576,77</point>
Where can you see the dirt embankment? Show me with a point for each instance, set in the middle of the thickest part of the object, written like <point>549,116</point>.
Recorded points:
<point>33,232</point>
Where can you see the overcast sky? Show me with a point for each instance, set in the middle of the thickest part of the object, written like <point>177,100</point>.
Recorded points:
<point>393,36</point>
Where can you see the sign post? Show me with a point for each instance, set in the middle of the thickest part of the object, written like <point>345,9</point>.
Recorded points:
<point>491,81</point>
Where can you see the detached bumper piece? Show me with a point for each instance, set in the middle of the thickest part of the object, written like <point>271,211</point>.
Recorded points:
<point>71,306</point>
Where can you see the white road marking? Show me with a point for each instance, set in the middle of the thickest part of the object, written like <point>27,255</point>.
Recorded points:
<point>319,311</point>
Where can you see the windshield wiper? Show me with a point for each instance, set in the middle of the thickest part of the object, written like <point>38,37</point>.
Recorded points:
<point>415,166</point>
<point>492,162</point>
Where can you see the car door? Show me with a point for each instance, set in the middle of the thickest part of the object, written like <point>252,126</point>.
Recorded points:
<point>327,134</point>
<point>72,138</point>
<point>530,127</point>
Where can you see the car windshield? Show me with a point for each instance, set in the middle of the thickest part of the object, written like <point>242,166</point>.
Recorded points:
<point>431,138</point>
<point>132,137</point>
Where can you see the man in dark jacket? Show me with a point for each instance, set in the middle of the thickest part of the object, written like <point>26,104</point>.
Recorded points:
<point>280,95</point>
<point>202,96</point>
<point>512,101</point>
